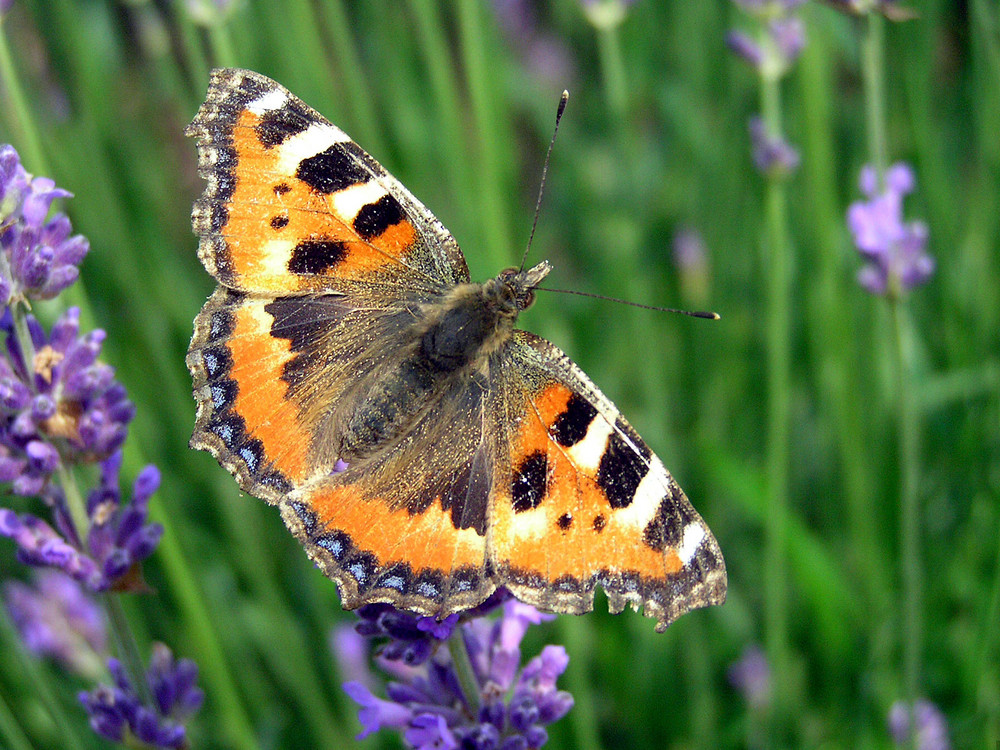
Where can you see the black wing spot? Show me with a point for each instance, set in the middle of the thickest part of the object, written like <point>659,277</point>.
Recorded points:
<point>281,188</point>
<point>279,222</point>
<point>600,522</point>
<point>530,482</point>
<point>375,218</point>
<point>620,471</point>
<point>571,426</point>
<point>667,527</point>
<point>331,170</point>
<point>565,521</point>
<point>316,256</point>
<point>278,125</point>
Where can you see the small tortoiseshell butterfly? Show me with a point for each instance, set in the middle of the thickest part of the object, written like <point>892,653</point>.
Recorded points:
<point>422,449</point>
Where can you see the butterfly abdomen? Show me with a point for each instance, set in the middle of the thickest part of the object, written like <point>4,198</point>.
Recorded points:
<point>450,339</point>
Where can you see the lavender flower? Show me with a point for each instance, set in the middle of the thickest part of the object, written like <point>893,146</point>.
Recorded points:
<point>56,618</point>
<point>412,638</point>
<point>771,154</point>
<point>40,258</point>
<point>118,713</point>
<point>118,538</point>
<point>60,407</point>
<point>751,675</point>
<point>63,403</point>
<point>746,48</point>
<point>689,250</point>
<point>42,546</point>
<point>771,53</point>
<point>426,702</point>
<point>895,251</point>
<point>775,51</point>
<point>931,727</point>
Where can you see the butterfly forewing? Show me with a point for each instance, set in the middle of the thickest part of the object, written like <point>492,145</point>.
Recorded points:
<point>294,205</point>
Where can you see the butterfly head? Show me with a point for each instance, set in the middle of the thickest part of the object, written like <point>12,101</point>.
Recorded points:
<point>515,289</point>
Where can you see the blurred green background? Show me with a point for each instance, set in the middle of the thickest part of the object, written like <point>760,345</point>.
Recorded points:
<point>457,99</point>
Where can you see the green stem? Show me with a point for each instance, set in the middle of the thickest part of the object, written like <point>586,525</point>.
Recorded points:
<point>10,730</point>
<point>74,501</point>
<point>873,64</point>
<point>609,49</point>
<point>125,646</point>
<point>221,42</point>
<point>485,93</point>
<point>873,71</point>
<point>987,639</point>
<point>24,342</point>
<point>909,522</point>
<point>33,153</point>
<point>777,251</point>
<point>464,671</point>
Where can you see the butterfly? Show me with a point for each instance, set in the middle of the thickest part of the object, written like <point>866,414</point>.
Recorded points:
<point>422,449</point>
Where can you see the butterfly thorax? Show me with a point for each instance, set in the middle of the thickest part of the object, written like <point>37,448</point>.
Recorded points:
<point>451,337</point>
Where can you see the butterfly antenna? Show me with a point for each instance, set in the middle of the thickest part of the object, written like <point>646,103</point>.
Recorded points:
<point>545,170</point>
<point>693,313</point>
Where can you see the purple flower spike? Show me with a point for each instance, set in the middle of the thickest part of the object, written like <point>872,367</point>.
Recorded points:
<point>931,726</point>
<point>119,536</point>
<point>41,257</point>
<point>751,675</point>
<point>78,412</point>
<point>430,732</point>
<point>895,251</point>
<point>789,37</point>
<point>744,47</point>
<point>427,703</point>
<point>118,712</point>
<point>779,41</point>
<point>376,713</point>
<point>42,546</point>
<point>56,618</point>
<point>772,155</point>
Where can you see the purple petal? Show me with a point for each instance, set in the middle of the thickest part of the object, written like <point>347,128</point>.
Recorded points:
<point>146,484</point>
<point>376,713</point>
<point>430,732</point>
<point>899,178</point>
<point>744,47</point>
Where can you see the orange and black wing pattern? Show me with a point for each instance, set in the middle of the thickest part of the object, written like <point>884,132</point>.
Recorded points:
<point>586,503</point>
<point>293,205</point>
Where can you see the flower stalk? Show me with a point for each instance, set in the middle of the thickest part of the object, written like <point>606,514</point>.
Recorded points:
<point>897,262</point>
<point>778,41</point>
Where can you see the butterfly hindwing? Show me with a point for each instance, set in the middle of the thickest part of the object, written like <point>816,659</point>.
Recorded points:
<point>408,524</point>
<point>585,501</point>
<point>271,373</point>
